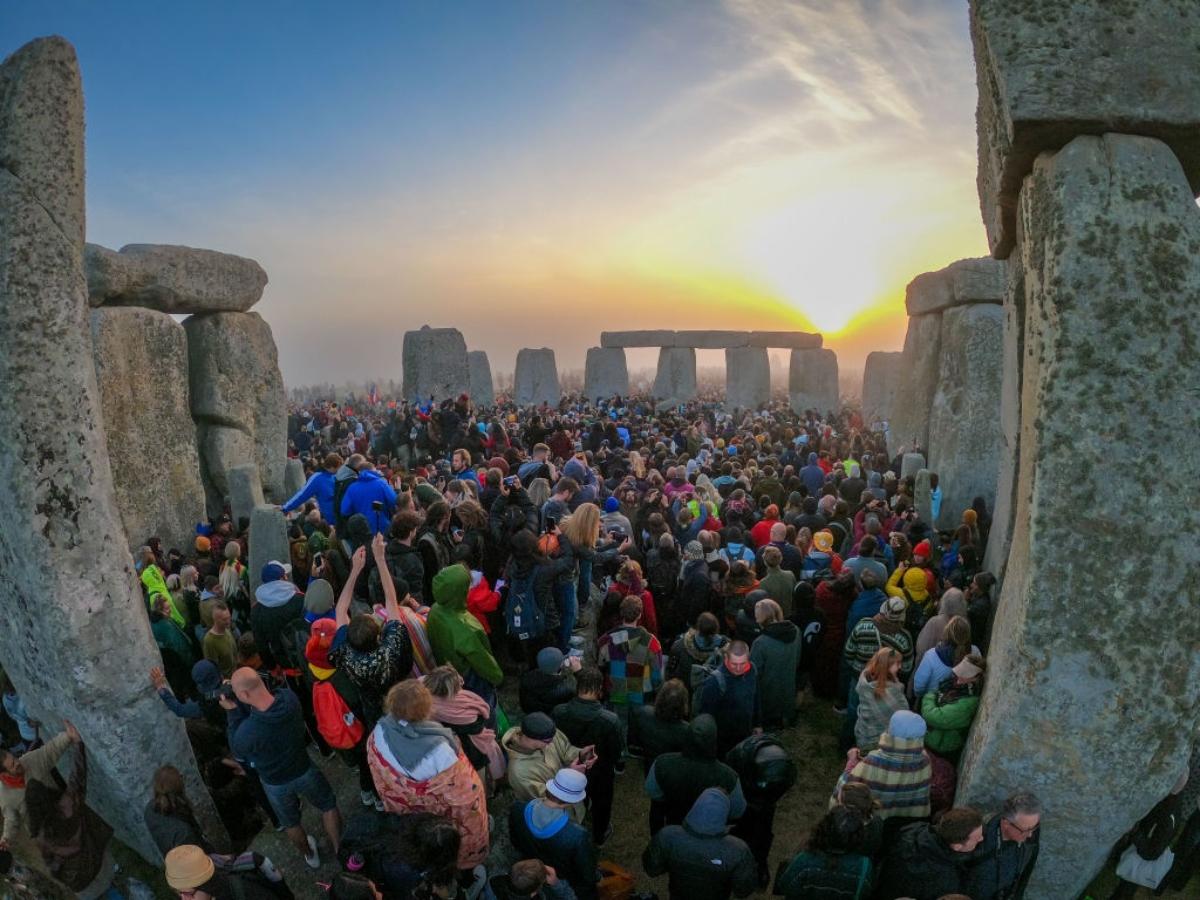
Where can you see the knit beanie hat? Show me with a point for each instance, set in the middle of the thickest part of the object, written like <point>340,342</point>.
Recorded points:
<point>203,544</point>
<point>694,550</point>
<point>318,599</point>
<point>892,609</point>
<point>206,676</point>
<point>906,725</point>
<point>923,549</point>
<point>549,660</point>
<point>611,504</point>
<point>188,867</point>
<point>539,726</point>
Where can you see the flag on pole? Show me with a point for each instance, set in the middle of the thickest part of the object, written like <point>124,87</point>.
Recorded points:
<point>373,396</point>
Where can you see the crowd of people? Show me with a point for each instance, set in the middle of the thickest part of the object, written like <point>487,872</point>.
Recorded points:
<point>522,606</point>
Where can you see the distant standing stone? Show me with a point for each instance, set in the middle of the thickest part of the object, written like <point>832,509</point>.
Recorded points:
<point>536,378</point>
<point>480,377</point>
<point>435,365</point>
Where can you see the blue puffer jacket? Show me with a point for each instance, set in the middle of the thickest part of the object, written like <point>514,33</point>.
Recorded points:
<point>359,497</point>
<point>320,486</point>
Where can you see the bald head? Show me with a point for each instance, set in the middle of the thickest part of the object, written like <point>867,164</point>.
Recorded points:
<point>778,532</point>
<point>249,687</point>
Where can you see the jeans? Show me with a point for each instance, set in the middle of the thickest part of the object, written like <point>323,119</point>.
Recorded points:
<point>568,609</point>
<point>285,798</point>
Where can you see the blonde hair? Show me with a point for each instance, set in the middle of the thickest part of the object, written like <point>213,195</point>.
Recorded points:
<point>187,578</point>
<point>582,527</point>
<point>539,492</point>
<point>767,612</point>
<point>444,682</point>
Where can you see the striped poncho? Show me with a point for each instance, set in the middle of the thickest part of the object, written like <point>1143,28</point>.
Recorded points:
<point>898,774</point>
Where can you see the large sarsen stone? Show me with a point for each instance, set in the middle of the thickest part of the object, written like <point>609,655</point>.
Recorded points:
<point>605,373</point>
<point>881,379</point>
<point>172,279</point>
<point>480,378</point>
<point>747,377</point>
<point>536,378</point>
<point>813,380</point>
<point>435,364</point>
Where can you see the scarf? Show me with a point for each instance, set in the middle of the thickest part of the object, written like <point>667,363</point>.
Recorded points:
<point>411,742</point>
<point>467,708</point>
<point>16,782</point>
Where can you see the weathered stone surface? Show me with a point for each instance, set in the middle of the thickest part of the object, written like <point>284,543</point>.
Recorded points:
<point>268,541</point>
<point>923,494</point>
<point>245,491</point>
<point>747,377</point>
<point>881,380</point>
<point>142,371</point>
<point>435,364</point>
<point>786,340</point>
<point>1048,72</point>
<point>919,364</point>
<point>962,282</point>
<point>605,373</point>
<point>293,476</point>
<point>964,419</point>
<point>813,380</point>
<point>623,339</point>
<point>74,627</point>
<point>172,279</point>
<point>711,340</point>
<point>479,375</point>
<point>237,401</point>
<point>1110,229</point>
<point>41,138</point>
<point>536,378</point>
<point>675,378</point>
<point>911,464</point>
<point>995,558</point>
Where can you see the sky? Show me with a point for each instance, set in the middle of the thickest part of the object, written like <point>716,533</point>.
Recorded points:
<point>534,173</point>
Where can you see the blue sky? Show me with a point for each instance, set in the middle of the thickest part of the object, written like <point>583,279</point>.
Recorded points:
<point>534,173</point>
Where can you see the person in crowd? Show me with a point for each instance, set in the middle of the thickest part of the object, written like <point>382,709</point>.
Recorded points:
<point>835,861</point>
<point>778,583</point>
<point>927,862</point>
<point>530,878</point>
<point>544,828</point>
<point>220,643</point>
<point>731,695</point>
<point>701,860</point>
<point>586,723</point>
<point>552,682</point>
<point>319,487</point>
<point>369,495</point>
<point>169,816</point>
<point>879,694</point>
<point>952,603</point>
<point>898,771</point>
<point>950,708</point>
<point>775,656</point>
<point>419,766</point>
<point>277,603</point>
<point>456,636</point>
<point>885,628</point>
<point>663,726</point>
<point>676,778</point>
<point>697,652</point>
<point>191,872</point>
<point>16,774</point>
<point>938,662</point>
<point>1003,862</point>
<point>468,715</point>
<point>536,750</point>
<point>630,659</point>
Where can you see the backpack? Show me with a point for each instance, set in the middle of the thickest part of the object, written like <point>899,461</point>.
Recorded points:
<point>764,768</point>
<point>548,545</point>
<point>523,617</point>
<point>338,725</point>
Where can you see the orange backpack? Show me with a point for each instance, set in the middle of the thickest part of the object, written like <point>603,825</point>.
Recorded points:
<point>337,724</point>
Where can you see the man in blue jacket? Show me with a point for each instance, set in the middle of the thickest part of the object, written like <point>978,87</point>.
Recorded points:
<point>367,490</point>
<point>543,828</point>
<point>267,730</point>
<point>319,486</point>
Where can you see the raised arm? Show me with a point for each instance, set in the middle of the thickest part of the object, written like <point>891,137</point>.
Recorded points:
<point>342,612</point>
<point>386,581</point>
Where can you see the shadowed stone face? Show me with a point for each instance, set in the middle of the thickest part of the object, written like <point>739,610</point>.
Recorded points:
<point>435,364</point>
<point>1110,243</point>
<point>605,373</point>
<point>480,378</point>
<point>881,379</point>
<point>747,377</point>
<point>813,380</point>
<point>675,379</point>
<point>536,378</point>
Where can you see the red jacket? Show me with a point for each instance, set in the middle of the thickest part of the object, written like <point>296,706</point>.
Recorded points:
<point>649,615</point>
<point>760,534</point>
<point>481,600</point>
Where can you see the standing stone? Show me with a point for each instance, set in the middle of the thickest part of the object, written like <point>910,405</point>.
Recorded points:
<point>238,401</point>
<point>141,365</point>
<point>435,364</point>
<point>962,282</point>
<point>919,365</point>
<point>268,541</point>
<point>964,419</point>
<point>605,373</point>
<point>923,498</point>
<point>245,491</point>
<point>74,629</point>
<point>171,279</point>
<point>536,379</point>
<point>293,476</point>
<point>748,377</point>
<point>1110,243</point>
<point>995,558</point>
<point>1048,72</point>
<point>675,379</point>
<point>881,379</point>
<point>479,375</point>
<point>813,380</point>
<point>911,464</point>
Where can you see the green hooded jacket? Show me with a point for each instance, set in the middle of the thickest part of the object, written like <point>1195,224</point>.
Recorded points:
<point>455,635</point>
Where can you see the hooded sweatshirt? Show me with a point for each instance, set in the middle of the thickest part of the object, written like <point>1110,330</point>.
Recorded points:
<point>675,780</point>
<point>701,860</point>
<point>361,496</point>
<point>776,655</point>
<point>455,635</point>
<point>277,603</point>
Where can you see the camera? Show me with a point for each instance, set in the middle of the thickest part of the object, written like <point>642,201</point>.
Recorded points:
<point>225,692</point>
<point>513,480</point>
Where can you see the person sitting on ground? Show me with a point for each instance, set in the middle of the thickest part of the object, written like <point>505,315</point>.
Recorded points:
<point>700,858</point>
<point>418,766</point>
<point>192,873</point>
<point>927,862</point>
<point>834,861</point>
<point>545,828</point>
<point>168,815</point>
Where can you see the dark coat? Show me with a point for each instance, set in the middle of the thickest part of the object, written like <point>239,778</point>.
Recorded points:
<point>701,860</point>
<point>998,866</point>
<point>921,866</point>
<point>569,850</point>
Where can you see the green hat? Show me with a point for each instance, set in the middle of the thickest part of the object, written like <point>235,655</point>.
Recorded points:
<point>450,586</point>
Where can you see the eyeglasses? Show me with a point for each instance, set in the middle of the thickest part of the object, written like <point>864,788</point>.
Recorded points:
<point>1025,832</point>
